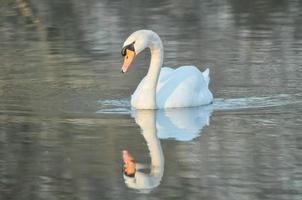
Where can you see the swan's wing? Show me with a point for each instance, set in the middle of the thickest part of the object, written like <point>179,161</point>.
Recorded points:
<point>206,75</point>
<point>165,71</point>
<point>183,87</point>
<point>164,76</point>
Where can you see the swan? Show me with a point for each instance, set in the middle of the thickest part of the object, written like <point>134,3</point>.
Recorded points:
<point>164,87</point>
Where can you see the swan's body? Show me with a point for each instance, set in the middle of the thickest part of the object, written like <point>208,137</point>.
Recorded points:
<point>182,87</point>
<point>164,87</point>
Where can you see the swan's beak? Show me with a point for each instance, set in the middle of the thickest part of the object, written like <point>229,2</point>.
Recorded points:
<point>128,58</point>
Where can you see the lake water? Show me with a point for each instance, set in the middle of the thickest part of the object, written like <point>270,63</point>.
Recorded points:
<point>65,116</point>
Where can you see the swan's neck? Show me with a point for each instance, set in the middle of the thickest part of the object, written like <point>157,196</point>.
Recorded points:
<point>151,78</point>
<point>156,61</point>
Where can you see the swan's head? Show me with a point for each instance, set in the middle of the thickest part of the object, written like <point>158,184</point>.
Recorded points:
<point>136,43</point>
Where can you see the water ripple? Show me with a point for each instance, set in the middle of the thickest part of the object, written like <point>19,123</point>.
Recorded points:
<point>122,106</point>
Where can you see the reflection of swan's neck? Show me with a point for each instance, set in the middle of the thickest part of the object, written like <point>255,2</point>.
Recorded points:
<point>147,122</point>
<point>154,146</point>
<point>151,78</point>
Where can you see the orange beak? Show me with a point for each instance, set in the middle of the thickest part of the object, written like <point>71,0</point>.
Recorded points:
<point>128,58</point>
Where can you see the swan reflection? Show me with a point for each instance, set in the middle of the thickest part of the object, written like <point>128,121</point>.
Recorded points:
<point>133,175</point>
<point>182,124</point>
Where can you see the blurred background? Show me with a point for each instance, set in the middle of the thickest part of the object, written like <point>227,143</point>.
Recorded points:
<point>59,59</point>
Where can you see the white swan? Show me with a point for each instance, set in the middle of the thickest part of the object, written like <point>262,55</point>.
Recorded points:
<point>164,87</point>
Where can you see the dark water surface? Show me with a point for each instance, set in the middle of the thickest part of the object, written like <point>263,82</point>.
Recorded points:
<point>64,105</point>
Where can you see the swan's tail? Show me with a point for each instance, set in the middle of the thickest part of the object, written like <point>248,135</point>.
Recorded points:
<point>206,75</point>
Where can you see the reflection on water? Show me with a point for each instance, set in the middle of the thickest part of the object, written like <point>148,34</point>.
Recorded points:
<point>144,182</point>
<point>123,106</point>
<point>182,124</point>
<point>58,58</point>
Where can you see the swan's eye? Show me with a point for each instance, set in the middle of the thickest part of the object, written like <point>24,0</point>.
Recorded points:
<point>123,51</point>
<point>129,47</point>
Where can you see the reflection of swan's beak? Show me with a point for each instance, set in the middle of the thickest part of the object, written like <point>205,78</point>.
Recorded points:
<point>128,58</point>
<point>146,177</point>
<point>127,157</point>
<point>129,164</point>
